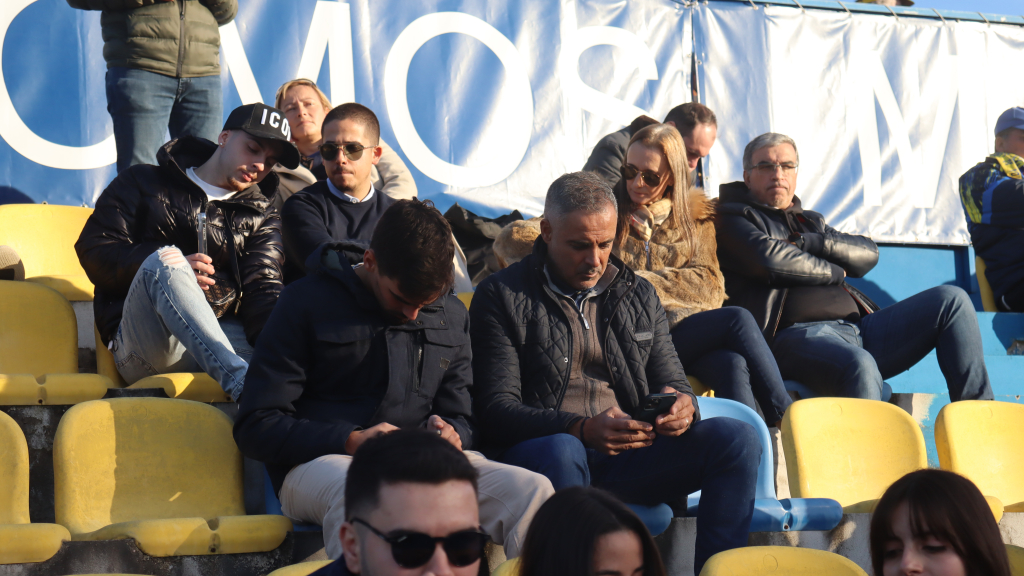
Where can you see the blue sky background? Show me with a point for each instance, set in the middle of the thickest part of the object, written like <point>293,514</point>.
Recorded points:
<point>1011,7</point>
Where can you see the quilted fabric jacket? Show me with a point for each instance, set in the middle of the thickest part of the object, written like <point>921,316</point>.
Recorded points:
<point>522,342</point>
<point>180,39</point>
<point>148,207</point>
<point>761,264</point>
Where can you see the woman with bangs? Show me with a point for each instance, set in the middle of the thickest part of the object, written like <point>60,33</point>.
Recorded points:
<point>936,523</point>
<point>666,234</point>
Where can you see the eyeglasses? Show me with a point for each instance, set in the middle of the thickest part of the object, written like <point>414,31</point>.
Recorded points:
<point>629,172</point>
<point>329,151</point>
<point>414,549</point>
<point>770,167</point>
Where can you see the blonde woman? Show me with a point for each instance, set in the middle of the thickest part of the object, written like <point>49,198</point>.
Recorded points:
<point>666,234</point>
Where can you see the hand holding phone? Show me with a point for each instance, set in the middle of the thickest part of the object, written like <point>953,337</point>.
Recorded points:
<point>652,406</point>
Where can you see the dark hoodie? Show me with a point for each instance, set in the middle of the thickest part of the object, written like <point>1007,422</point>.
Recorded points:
<point>333,364</point>
<point>777,281</point>
<point>147,207</point>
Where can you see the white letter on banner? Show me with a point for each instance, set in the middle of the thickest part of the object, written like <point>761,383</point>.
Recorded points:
<point>26,142</point>
<point>331,29</point>
<point>238,64</point>
<point>514,119</point>
<point>868,79</point>
<point>637,53</point>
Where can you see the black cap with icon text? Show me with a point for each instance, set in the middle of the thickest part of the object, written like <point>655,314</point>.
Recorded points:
<point>262,121</point>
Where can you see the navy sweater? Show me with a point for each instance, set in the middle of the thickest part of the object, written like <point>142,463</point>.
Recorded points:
<point>315,216</point>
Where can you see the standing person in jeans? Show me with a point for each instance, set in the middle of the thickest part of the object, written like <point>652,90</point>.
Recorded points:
<point>566,345</point>
<point>151,305</point>
<point>163,71</point>
<point>354,352</point>
<point>788,268</point>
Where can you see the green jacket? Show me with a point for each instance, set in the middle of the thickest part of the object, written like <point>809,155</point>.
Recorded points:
<point>178,38</point>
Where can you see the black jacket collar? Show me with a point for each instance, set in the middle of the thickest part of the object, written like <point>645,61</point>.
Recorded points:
<point>186,152</point>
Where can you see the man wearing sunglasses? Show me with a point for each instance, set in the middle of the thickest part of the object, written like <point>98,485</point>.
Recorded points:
<point>353,352</point>
<point>414,510</point>
<point>788,268</point>
<point>696,123</point>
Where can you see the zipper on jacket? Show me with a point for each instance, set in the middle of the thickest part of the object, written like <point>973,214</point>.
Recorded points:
<point>181,39</point>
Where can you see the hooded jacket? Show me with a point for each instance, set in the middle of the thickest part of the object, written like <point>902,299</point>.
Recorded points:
<point>522,341</point>
<point>179,38</point>
<point>147,207</point>
<point>685,285</point>
<point>610,152</point>
<point>335,365</point>
<point>760,263</point>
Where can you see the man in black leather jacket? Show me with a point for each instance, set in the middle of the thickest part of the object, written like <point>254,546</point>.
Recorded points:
<point>351,353</point>
<point>567,343</point>
<point>788,268</point>
<point>150,304</point>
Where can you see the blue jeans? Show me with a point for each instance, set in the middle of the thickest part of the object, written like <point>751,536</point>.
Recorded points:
<point>725,349</point>
<point>838,358</point>
<point>168,326</point>
<point>718,456</point>
<point>145,105</point>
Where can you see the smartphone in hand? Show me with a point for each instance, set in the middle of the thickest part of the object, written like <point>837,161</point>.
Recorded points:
<point>652,406</point>
<point>201,234</point>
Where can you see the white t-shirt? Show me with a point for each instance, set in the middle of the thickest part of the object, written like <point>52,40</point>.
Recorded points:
<point>213,192</point>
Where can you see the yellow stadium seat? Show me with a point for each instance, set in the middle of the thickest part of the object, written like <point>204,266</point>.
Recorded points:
<point>44,236</point>
<point>197,386</point>
<point>52,389</point>
<point>302,569</point>
<point>20,541</point>
<point>988,300</point>
<point>38,330</point>
<point>466,298</point>
<point>164,472</point>
<point>849,449</point>
<point>978,439</point>
<point>507,568</point>
<point>771,560</point>
<point>699,388</point>
<point>1016,554</point>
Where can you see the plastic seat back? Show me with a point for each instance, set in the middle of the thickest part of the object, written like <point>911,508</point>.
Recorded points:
<point>466,298</point>
<point>849,449</point>
<point>765,560</point>
<point>38,330</point>
<point>301,569</point>
<point>13,472</point>
<point>44,236</point>
<point>978,439</point>
<point>126,459</point>
<point>988,299</point>
<point>1016,555</point>
<point>720,407</point>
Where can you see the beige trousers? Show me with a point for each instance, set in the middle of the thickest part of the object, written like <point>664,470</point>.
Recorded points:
<point>509,496</point>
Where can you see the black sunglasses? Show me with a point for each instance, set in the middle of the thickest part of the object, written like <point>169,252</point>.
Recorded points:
<point>329,151</point>
<point>629,172</point>
<point>414,549</point>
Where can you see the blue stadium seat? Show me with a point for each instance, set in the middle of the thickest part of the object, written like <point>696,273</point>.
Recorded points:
<point>770,513</point>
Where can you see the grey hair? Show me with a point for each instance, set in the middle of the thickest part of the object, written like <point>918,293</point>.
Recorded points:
<point>766,140</point>
<point>578,192</point>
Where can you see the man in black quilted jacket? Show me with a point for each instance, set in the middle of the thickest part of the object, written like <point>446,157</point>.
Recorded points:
<point>155,285</point>
<point>567,343</point>
<point>789,269</point>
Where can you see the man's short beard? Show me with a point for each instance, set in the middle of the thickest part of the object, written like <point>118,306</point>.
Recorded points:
<point>237,185</point>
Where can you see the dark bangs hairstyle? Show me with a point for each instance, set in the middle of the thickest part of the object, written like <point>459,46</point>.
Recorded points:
<point>563,535</point>
<point>413,245</point>
<point>949,507</point>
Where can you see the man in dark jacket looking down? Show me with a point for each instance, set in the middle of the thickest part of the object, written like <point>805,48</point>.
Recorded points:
<point>355,352</point>
<point>788,268</point>
<point>151,302</point>
<point>567,343</point>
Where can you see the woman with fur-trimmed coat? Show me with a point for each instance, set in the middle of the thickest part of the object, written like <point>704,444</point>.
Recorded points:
<point>666,234</point>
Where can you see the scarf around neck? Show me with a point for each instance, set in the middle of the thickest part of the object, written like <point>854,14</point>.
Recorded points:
<point>645,219</point>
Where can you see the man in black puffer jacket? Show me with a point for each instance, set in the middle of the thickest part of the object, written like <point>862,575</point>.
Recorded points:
<point>788,268</point>
<point>567,344</point>
<point>151,301</point>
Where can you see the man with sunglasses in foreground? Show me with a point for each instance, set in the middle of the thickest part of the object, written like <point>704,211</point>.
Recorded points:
<point>414,510</point>
<point>788,268</point>
<point>353,352</point>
